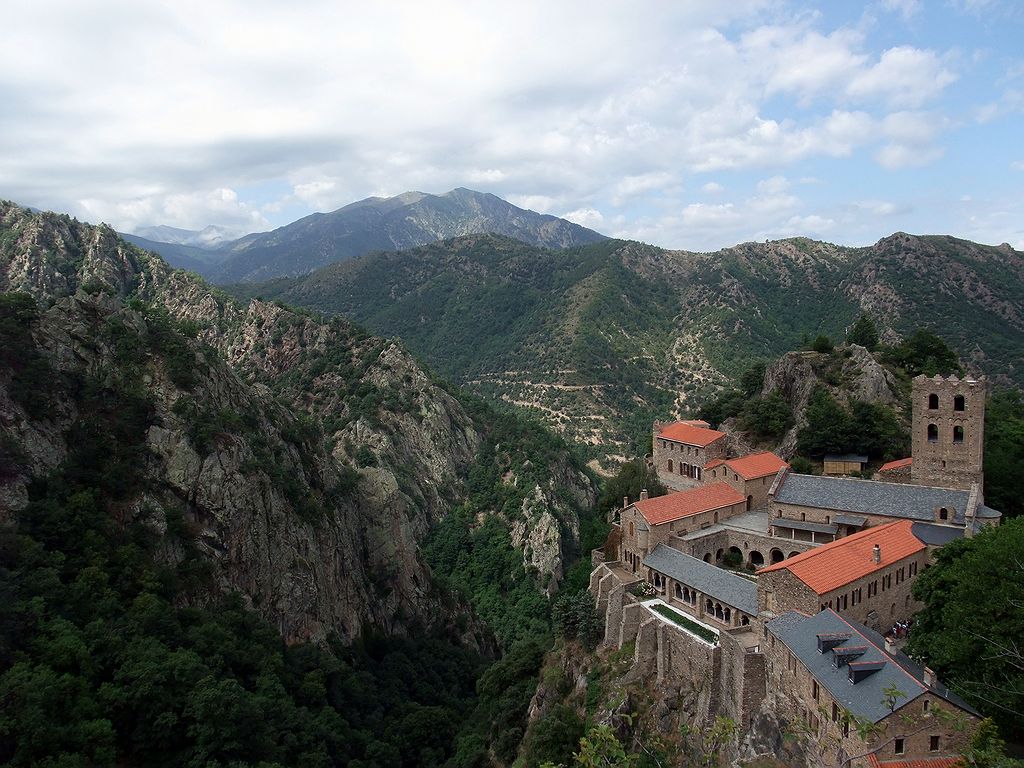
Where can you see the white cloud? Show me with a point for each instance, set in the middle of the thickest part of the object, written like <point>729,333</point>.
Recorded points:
<point>906,8</point>
<point>193,210</point>
<point>1017,165</point>
<point>586,217</point>
<point>896,156</point>
<point>556,107</point>
<point>904,77</point>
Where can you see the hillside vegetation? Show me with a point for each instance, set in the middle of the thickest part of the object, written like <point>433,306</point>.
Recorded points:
<point>599,340</point>
<point>216,520</point>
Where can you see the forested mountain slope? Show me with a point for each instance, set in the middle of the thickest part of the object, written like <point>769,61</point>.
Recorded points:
<point>163,446</point>
<point>598,340</point>
<point>319,448</point>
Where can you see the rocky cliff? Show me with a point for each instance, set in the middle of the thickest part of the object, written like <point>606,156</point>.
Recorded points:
<point>308,458</point>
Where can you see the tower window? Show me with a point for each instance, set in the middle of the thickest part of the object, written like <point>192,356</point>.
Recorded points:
<point>958,434</point>
<point>933,433</point>
<point>933,401</point>
<point>958,403</point>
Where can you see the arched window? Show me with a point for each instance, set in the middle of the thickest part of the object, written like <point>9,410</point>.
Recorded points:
<point>630,527</point>
<point>933,401</point>
<point>958,403</point>
<point>958,434</point>
<point>750,502</point>
<point>943,513</point>
<point>710,607</point>
<point>728,614</point>
<point>670,465</point>
<point>745,621</point>
<point>933,433</point>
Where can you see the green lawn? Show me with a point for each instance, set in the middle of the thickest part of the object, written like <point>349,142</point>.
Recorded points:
<point>700,631</point>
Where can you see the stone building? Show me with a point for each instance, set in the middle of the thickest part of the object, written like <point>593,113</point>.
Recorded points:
<point>751,475</point>
<point>860,701</point>
<point>866,577</point>
<point>646,523</point>
<point>897,471</point>
<point>700,589</point>
<point>948,432</point>
<point>682,449</point>
<point>811,508</point>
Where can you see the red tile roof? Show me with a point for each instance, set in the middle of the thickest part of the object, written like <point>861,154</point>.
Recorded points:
<point>682,432</point>
<point>837,563</point>
<point>674,506</point>
<point>696,423</point>
<point>898,464</point>
<point>754,466</point>
<point>923,762</point>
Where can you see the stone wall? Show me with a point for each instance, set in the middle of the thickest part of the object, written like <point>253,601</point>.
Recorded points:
<point>939,459</point>
<point>810,708</point>
<point>680,454</point>
<point>781,591</point>
<point>724,679</point>
<point>713,546</point>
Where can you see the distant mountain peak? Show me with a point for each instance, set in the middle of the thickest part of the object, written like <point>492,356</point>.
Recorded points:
<point>395,223</point>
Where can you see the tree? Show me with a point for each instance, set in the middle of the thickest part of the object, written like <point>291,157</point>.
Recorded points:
<point>863,332</point>
<point>1004,451</point>
<point>555,737</point>
<point>628,482</point>
<point>925,352</point>
<point>575,618</point>
<point>766,417</point>
<point>752,378</point>
<point>828,428</point>
<point>971,628</point>
<point>822,344</point>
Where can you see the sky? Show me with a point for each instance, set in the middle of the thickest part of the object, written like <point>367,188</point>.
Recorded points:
<point>693,125</point>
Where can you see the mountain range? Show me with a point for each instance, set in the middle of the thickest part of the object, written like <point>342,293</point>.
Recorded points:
<point>599,340</point>
<point>374,224</point>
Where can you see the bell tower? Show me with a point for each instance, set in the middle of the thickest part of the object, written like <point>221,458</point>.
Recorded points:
<point>948,432</point>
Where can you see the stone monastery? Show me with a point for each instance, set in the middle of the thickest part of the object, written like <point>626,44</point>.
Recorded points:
<point>772,595</point>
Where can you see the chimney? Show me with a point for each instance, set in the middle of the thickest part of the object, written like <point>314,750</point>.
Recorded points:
<point>876,554</point>
<point>890,645</point>
<point>643,494</point>
<point>929,678</point>
<point>625,501</point>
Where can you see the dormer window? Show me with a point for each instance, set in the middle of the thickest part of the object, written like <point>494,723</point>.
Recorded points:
<point>943,513</point>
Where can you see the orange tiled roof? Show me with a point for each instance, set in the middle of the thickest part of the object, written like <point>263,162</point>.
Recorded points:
<point>832,565</point>
<point>755,465</point>
<point>681,432</point>
<point>696,423</point>
<point>924,762</point>
<point>714,463</point>
<point>898,464</point>
<point>674,506</point>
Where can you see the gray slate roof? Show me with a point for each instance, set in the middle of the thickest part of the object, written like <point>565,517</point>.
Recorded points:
<point>936,535</point>
<point>871,497</point>
<point>713,581</point>
<point>855,520</point>
<point>804,525</point>
<point>864,698</point>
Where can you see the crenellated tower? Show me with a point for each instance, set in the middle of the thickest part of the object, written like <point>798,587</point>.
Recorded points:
<point>948,431</point>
